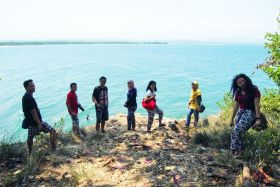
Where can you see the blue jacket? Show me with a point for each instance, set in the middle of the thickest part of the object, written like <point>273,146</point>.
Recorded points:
<point>131,98</point>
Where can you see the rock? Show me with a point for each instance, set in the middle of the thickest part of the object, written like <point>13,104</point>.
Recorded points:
<point>31,177</point>
<point>205,122</point>
<point>17,172</point>
<point>169,168</point>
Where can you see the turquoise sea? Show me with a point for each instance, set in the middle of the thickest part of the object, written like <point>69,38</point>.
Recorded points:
<point>173,66</point>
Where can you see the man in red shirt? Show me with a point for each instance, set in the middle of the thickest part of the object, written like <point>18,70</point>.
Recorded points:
<point>73,104</point>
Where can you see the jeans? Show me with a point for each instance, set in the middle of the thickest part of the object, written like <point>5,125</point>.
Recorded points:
<point>196,116</point>
<point>131,117</point>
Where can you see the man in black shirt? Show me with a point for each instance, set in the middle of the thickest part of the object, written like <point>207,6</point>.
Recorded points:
<point>33,119</point>
<point>100,99</point>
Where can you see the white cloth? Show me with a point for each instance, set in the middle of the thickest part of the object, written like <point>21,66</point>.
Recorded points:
<point>150,93</point>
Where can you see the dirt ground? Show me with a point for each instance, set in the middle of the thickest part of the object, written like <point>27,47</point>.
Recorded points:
<point>119,157</point>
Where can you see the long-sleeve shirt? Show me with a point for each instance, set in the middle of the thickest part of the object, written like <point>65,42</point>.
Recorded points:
<point>131,97</point>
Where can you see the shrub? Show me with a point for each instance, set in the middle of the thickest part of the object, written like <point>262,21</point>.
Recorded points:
<point>270,105</point>
<point>226,106</point>
<point>9,149</point>
<point>262,145</point>
<point>202,138</point>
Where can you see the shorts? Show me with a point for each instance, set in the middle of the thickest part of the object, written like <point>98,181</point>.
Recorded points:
<point>102,114</point>
<point>34,130</point>
<point>75,120</point>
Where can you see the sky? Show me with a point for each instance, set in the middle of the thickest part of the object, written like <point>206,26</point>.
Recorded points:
<point>162,20</point>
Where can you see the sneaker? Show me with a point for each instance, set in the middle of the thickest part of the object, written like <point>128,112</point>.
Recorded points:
<point>162,125</point>
<point>103,131</point>
<point>236,155</point>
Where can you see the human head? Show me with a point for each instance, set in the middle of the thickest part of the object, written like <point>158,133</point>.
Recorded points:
<point>29,86</point>
<point>130,84</point>
<point>73,86</point>
<point>194,85</point>
<point>102,81</point>
<point>152,86</point>
<point>241,82</point>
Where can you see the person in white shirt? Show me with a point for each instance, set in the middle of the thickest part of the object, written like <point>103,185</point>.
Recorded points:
<point>150,95</point>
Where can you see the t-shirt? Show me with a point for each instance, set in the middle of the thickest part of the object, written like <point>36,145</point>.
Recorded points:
<point>246,102</point>
<point>101,95</point>
<point>150,93</point>
<point>72,100</point>
<point>193,99</point>
<point>28,104</point>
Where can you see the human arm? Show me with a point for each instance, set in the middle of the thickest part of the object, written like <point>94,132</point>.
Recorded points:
<point>95,101</point>
<point>70,110</point>
<point>36,118</point>
<point>149,96</point>
<point>94,97</point>
<point>258,112</point>
<point>80,107</point>
<point>235,109</point>
<point>131,96</point>
<point>199,100</point>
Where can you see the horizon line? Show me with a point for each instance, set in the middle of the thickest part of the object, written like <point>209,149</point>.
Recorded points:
<point>120,41</point>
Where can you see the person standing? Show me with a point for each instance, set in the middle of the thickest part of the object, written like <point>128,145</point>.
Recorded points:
<point>131,105</point>
<point>246,110</point>
<point>100,99</point>
<point>33,119</point>
<point>150,95</point>
<point>73,104</point>
<point>194,104</point>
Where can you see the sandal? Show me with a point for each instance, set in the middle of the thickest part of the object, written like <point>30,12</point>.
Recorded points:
<point>236,154</point>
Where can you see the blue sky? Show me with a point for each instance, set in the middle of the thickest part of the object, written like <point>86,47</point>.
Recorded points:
<point>202,20</point>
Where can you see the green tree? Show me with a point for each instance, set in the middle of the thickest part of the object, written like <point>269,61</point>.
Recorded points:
<point>272,65</point>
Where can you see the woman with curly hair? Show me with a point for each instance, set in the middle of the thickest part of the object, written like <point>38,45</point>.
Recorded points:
<point>246,110</point>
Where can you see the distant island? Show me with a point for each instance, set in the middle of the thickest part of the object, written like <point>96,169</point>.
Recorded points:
<point>17,43</point>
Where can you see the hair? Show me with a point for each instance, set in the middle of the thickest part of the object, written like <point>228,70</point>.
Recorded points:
<point>73,84</point>
<point>150,83</point>
<point>130,81</point>
<point>250,88</point>
<point>102,78</point>
<point>26,83</point>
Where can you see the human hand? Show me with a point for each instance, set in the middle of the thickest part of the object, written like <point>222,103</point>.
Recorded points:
<point>231,123</point>
<point>40,127</point>
<point>257,123</point>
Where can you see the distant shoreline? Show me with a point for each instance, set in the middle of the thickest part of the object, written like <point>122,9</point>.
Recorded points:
<point>20,43</point>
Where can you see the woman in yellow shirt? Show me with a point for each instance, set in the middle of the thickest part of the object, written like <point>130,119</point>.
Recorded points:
<point>194,104</point>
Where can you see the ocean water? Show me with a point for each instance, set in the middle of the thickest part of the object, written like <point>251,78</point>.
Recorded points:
<point>173,66</point>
